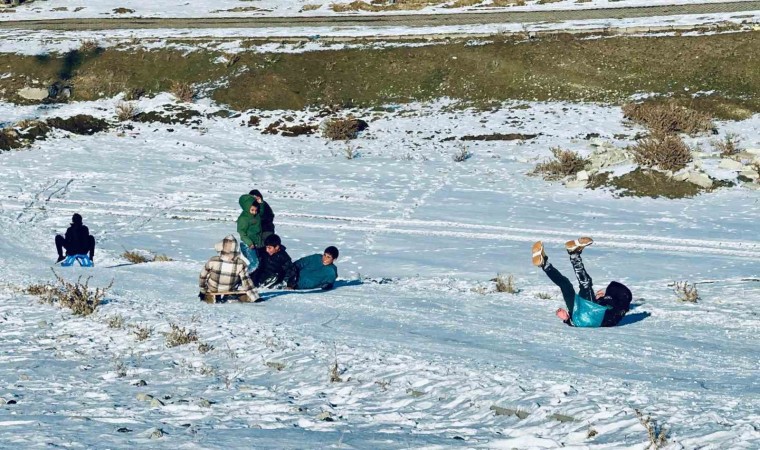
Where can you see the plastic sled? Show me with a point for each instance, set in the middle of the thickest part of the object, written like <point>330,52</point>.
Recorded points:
<point>83,261</point>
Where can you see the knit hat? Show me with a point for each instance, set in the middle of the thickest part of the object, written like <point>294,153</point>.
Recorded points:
<point>619,294</point>
<point>256,193</point>
<point>332,251</point>
<point>76,219</point>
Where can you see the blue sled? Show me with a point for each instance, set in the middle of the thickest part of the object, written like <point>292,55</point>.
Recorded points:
<point>83,261</point>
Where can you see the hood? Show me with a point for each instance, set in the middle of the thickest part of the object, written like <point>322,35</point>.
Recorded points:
<point>227,247</point>
<point>246,200</point>
<point>619,293</point>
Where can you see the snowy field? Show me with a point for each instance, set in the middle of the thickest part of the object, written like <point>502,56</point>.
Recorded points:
<point>61,9</point>
<point>429,356</point>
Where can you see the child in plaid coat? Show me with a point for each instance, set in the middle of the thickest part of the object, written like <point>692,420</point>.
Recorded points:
<point>226,272</point>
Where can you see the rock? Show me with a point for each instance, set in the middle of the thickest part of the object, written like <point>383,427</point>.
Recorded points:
<point>606,157</point>
<point>140,383</point>
<point>203,403</point>
<point>155,433</point>
<point>33,93</point>
<point>154,403</point>
<point>753,151</point>
<point>700,179</point>
<point>682,176</point>
<point>143,397</point>
<point>325,416</point>
<point>582,175</point>
<point>499,411</point>
<point>730,164</point>
<point>562,418</point>
<point>123,430</point>
<point>749,173</point>
<point>574,184</point>
<point>753,186</point>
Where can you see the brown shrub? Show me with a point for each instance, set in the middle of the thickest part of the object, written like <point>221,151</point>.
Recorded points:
<point>664,151</point>
<point>343,129</point>
<point>125,111</point>
<point>183,91</point>
<point>729,146</point>
<point>180,336</point>
<point>505,284</point>
<point>134,257</point>
<point>565,163</point>
<point>668,117</point>
<point>78,296</point>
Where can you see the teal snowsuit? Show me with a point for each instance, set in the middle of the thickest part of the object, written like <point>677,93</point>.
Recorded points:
<point>311,273</point>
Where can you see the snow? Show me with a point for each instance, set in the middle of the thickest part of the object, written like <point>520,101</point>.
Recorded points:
<point>61,9</point>
<point>424,347</point>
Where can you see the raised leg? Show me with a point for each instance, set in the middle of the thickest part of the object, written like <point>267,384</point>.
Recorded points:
<point>568,291</point>
<point>586,289</point>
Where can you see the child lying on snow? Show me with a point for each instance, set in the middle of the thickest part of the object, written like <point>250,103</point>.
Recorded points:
<point>605,308</point>
<point>314,271</point>
<point>226,272</point>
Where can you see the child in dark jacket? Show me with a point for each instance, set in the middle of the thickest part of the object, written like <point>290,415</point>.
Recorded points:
<point>604,308</point>
<point>274,265</point>
<point>77,241</point>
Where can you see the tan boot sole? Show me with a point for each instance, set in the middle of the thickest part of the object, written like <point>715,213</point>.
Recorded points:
<point>579,244</point>
<point>538,254</point>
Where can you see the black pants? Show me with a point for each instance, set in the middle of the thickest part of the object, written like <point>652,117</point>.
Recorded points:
<point>586,289</point>
<point>60,244</point>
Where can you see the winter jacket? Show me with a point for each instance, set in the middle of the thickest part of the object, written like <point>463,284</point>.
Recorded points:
<point>272,269</point>
<point>587,313</point>
<point>267,217</point>
<point>77,240</point>
<point>226,272</point>
<point>249,226</point>
<point>310,273</point>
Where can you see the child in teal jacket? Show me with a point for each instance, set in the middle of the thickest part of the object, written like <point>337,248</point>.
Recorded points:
<point>604,308</point>
<point>314,271</point>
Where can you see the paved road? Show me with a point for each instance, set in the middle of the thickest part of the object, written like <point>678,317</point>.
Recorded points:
<point>417,20</point>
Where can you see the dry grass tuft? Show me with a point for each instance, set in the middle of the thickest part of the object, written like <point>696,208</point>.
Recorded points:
<point>507,3</point>
<point>350,151</point>
<point>126,111</point>
<point>686,292</point>
<point>88,46</point>
<point>668,117</point>
<point>183,91</point>
<point>335,373</point>
<point>310,7</point>
<point>136,257</point>
<point>544,296</point>
<point>729,146</point>
<point>204,348</point>
<point>565,163</point>
<point>505,284</point>
<point>142,332</point>
<point>116,321</point>
<point>658,434</point>
<point>661,150</point>
<point>180,336</point>
<point>77,296</point>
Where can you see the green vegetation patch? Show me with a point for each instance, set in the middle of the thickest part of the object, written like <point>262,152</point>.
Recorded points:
<point>563,67</point>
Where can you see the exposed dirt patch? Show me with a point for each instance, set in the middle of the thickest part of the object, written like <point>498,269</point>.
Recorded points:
<point>180,116</point>
<point>495,137</point>
<point>280,127</point>
<point>79,124</point>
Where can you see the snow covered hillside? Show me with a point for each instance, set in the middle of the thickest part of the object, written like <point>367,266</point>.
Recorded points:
<point>428,355</point>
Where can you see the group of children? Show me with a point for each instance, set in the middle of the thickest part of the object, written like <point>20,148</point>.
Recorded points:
<point>227,275</point>
<point>261,250</point>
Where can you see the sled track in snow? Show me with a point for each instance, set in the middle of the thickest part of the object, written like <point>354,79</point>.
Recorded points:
<point>724,247</point>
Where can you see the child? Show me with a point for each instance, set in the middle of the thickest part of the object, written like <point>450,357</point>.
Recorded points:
<point>226,272</point>
<point>604,308</point>
<point>78,242</point>
<point>274,264</point>
<point>249,227</point>
<point>314,271</point>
